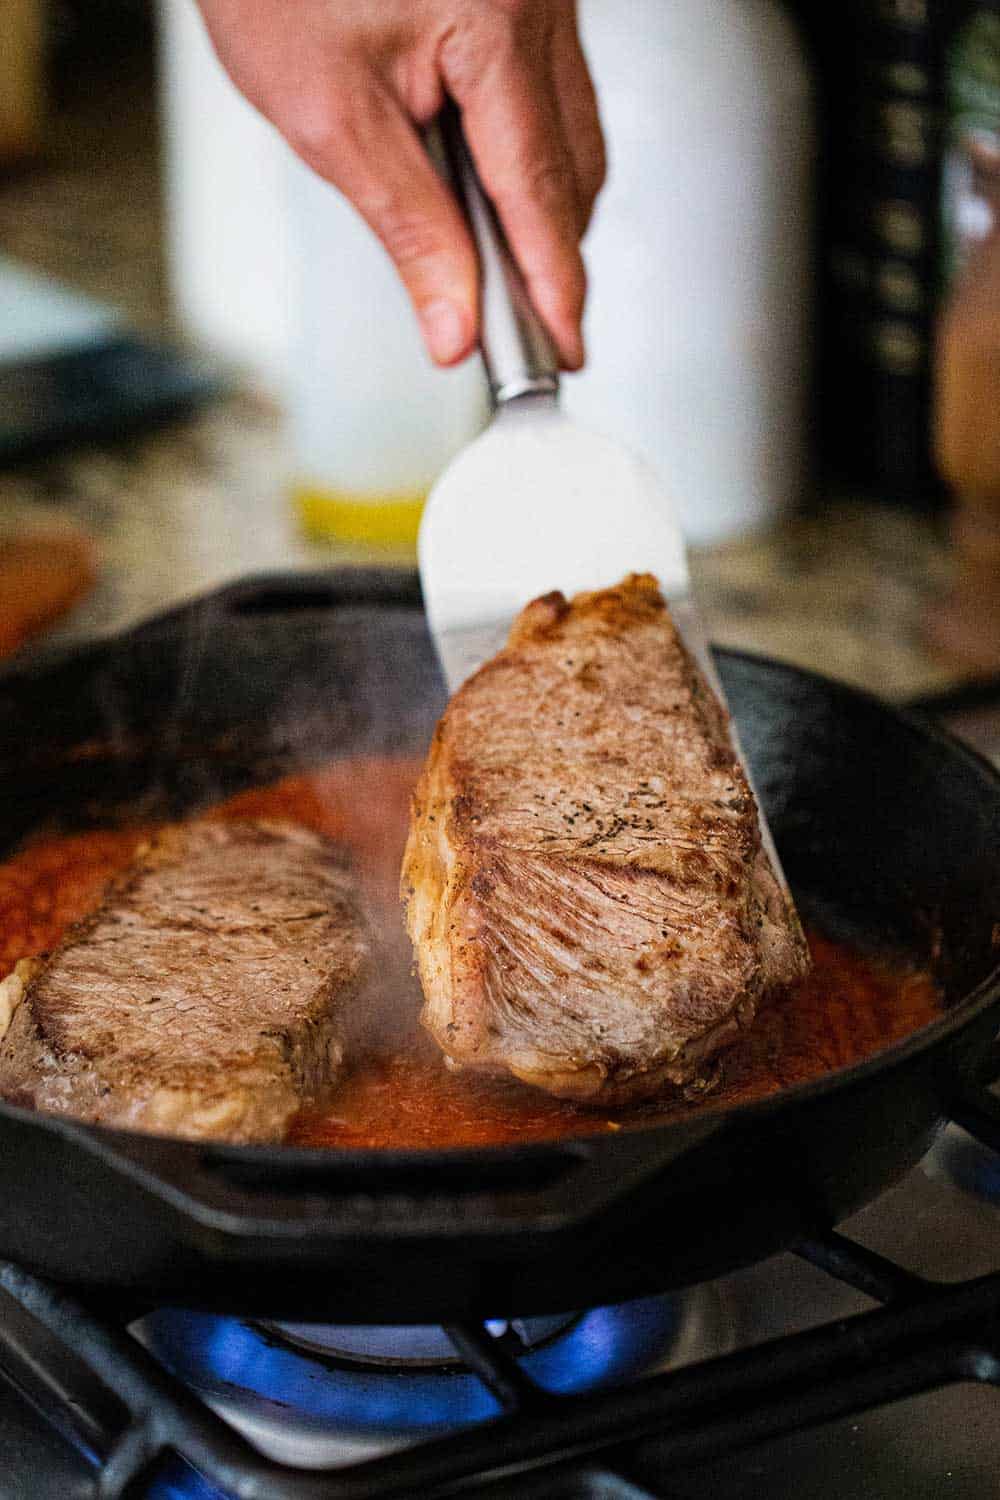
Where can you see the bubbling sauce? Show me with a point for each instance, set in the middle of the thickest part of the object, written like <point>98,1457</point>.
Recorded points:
<point>397,1091</point>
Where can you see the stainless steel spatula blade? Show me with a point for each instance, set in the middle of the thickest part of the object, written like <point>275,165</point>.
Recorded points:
<point>537,502</point>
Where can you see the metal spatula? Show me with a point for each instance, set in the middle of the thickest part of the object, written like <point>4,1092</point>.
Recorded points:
<point>536,502</point>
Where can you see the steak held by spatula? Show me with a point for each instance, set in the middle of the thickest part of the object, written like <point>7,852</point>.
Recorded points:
<point>586,891</point>
<point>204,997</point>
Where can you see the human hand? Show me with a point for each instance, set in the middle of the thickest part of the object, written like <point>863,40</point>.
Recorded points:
<point>348,83</point>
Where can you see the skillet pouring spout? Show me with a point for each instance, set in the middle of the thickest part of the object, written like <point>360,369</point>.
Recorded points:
<point>889,833</point>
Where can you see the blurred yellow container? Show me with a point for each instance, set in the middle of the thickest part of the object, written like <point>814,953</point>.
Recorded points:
<point>390,521</point>
<point>372,421</point>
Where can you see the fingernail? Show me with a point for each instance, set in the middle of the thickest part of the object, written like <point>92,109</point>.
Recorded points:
<point>444,329</point>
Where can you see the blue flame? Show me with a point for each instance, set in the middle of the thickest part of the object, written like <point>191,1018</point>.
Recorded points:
<point>178,1482</point>
<point>223,1356</point>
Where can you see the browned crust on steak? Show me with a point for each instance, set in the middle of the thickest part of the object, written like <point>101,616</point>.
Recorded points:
<point>586,891</point>
<point>203,997</point>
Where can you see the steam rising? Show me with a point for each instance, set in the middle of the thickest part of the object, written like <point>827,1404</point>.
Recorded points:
<point>320,715</point>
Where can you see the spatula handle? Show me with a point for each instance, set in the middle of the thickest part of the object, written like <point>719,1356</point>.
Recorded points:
<point>519,355</point>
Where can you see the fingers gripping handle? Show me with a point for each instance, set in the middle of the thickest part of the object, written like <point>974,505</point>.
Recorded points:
<point>519,355</point>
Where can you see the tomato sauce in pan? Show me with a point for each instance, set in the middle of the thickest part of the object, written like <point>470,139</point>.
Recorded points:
<point>398,1092</point>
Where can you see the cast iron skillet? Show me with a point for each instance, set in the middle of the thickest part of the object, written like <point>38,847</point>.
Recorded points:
<point>890,834</point>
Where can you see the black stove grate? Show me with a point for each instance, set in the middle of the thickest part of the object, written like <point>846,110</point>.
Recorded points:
<point>105,1392</point>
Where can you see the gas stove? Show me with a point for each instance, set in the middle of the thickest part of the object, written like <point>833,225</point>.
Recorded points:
<point>740,1369</point>
<point>861,1366</point>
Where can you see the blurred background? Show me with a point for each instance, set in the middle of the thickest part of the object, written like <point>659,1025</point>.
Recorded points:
<point>207,369</point>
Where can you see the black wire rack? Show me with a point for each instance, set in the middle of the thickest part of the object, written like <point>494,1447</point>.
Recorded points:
<point>104,1392</point>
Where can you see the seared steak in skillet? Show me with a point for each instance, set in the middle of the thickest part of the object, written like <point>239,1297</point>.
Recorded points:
<point>587,895</point>
<point>203,998</point>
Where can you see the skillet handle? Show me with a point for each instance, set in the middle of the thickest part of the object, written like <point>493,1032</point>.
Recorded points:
<point>246,1190</point>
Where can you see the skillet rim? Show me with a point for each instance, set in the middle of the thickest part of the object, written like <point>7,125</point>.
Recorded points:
<point>960,1015</point>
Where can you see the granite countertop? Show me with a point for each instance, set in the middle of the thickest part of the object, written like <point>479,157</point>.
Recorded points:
<point>175,512</point>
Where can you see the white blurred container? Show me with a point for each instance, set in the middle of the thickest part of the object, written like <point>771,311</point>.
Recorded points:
<point>272,269</point>
<point>373,420</point>
<point>699,256</point>
<point>227,224</point>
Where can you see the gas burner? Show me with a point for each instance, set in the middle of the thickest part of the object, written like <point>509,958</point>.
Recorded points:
<point>407,1347</point>
<point>390,1382</point>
